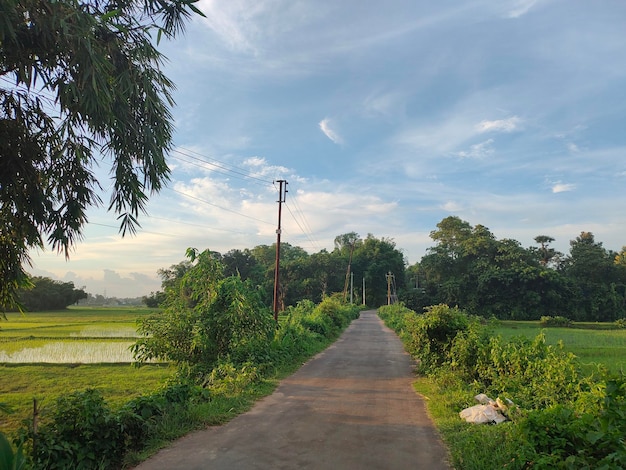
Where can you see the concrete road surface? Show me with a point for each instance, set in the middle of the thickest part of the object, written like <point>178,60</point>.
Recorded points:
<point>350,407</point>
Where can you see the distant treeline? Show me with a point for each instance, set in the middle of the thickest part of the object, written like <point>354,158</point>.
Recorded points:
<point>48,294</point>
<point>467,267</point>
<point>470,268</point>
<point>309,277</point>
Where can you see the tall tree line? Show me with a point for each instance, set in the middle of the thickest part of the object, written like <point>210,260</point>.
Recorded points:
<point>470,268</point>
<point>466,267</point>
<point>353,262</point>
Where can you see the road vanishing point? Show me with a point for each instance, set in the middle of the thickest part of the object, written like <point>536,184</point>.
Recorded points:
<point>350,407</point>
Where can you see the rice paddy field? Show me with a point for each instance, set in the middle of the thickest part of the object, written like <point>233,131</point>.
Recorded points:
<point>593,343</point>
<point>46,354</point>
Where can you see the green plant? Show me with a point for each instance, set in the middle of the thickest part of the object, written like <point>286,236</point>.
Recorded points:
<point>83,434</point>
<point>555,321</point>
<point>534,373</point>
<point>207,318</point>
<point>11,459</point>
<point>620,323</point>
<point>430,336</point>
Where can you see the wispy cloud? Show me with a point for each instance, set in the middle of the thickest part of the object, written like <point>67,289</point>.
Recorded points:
<point>563,187</point>
<point>572,147</point>
<point>230,21</point>
<point>452,206</point>
<point>481,150</point>
<point>521,7</point>
<point>500,125</point>
<point>325,126</point>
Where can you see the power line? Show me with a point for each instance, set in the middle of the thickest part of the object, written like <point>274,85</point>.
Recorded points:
<point>219,207</point>
<point>142,231</point>
<point>302,229</point>
<point>241,172</point>
<point>307,228</point>
<point>194,225</point>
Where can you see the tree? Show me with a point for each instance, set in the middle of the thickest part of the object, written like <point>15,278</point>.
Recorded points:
<point>155,299</point>
<point>80,79</point>
<point>240,263</point>
<point>206,317</point>
<point>592,269</point>
<point>326,271</point>
<point>451,233</point>
<point>547,254</point>
<point>347,242</point>
<point>374,258</point>
<point>48,294</point>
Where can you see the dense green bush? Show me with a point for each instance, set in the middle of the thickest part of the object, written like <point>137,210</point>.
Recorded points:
<point>429,337</point>
<point>555,321</point>
<point>534,373</point>
<point>394,315</point>
<point>325,319</point>
<point>207,319</point>
<point>83,434</point>
<point>561,437</point>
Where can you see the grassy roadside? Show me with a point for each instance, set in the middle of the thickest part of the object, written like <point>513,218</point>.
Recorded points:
<point>161,407</point>
<point>471,446</point>
<point>230,397</point>
<point>118,383</point>
<point>564,417</point>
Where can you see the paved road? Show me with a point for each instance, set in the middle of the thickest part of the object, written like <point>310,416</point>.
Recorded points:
<point>351,407</point>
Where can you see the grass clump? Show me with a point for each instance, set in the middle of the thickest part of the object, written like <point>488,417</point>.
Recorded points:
<point>556,321</point>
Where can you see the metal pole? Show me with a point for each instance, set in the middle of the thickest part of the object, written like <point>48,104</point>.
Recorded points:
<point>351,286</point>
<point>364,291</point>
<point>281,199</point>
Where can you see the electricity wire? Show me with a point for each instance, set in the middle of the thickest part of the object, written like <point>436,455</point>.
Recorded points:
<point>219,207</point>
<point>222,167</point>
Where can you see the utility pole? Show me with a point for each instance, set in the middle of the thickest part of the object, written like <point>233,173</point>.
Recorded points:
<point>282,195</point>
<point>389,277</point>
<point>351,286</point>
<point>392,297</point>
<point>345,285</point>
<point>363,290</point>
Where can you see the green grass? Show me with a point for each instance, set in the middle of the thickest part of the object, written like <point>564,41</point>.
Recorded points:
<point>471,446</point>
<point>87,333</point>
<point>20,384</point>
<point>594,344</point>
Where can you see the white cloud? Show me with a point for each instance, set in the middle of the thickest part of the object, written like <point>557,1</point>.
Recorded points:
<point>563,187</point>
<point>385,104</point>
<point>500,125</point>
<point>452,206</point>
<point>573,147</point>
<point>325,126</point>
<point>521,7</point>
<point>232,22</point>
<point>481,150</point>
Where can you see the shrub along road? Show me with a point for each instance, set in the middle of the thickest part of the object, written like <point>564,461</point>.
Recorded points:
<point>350,407</point>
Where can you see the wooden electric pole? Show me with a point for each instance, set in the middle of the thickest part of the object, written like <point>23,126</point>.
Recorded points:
<point>282,194</point>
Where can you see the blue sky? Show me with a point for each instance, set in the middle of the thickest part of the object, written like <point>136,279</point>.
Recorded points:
<point>384,118</point>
